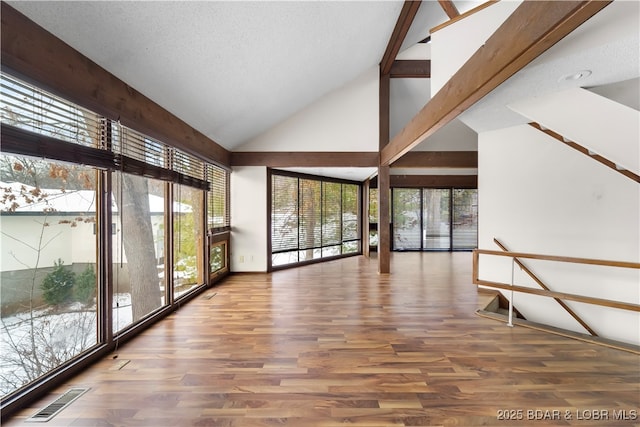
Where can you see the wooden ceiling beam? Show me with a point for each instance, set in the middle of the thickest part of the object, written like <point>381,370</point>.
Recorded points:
<point>449,8</point>
<point>531,29</point>
<point>419,69</point>
<point>281,159</point>
<point>37,56</point>
<point>463,15</point>
<point>405,19</point>
<point>438,159</point>
<point>429,181</point>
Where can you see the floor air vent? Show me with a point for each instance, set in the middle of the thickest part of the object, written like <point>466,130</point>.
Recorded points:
<point>52,409</point>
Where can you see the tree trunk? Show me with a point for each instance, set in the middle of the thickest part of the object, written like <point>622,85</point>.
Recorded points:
<point>139,249</point>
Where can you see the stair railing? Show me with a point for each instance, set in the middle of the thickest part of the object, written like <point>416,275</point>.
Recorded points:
<point>540,283</point>
<point>546,292</point>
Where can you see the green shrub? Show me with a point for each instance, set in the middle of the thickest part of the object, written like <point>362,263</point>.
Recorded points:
<point>85,286</point>
<point>57,286</point>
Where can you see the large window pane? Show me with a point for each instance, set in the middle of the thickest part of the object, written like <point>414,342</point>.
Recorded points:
<point>284,219</point>
<point>188,232</point>
<point>139,215</point>
<point>436,218</point>
<point>373,205</point>
<point>310,217</point>
<point>373,217</point>
<point>48,266</point>
<point>331,216</point>
<point>465,219</point>
<point>406,218</point>
<point>350,214</point>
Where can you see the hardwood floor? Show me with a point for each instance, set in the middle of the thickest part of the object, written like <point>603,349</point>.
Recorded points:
<point>337,344</point>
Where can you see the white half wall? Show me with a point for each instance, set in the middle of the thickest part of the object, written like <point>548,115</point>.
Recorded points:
<point>344,120</point>
<point>249,219</point>
<point>537,195</point>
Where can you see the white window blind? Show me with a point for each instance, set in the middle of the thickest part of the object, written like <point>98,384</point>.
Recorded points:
<point>284,213</point>
<point>218,206</point>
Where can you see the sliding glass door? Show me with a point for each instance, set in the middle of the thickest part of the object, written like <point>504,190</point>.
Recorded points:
<point>436,232</point>
<point>434,219</point>
<point>465,219</point>
<point>407,219</point>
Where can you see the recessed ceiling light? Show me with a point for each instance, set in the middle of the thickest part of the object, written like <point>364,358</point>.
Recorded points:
<point>575,76</point>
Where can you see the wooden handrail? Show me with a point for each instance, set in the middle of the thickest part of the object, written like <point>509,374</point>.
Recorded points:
<point>563,295</point>
<point>548,293</point>
<point>590,261</point>
<point>545,287</point>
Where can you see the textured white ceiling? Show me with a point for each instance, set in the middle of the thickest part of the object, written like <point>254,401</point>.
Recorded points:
<point>229,69</point>
<point>235,69</point>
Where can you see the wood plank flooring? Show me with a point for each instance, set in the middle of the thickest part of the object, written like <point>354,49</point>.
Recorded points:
<point>337,344</point>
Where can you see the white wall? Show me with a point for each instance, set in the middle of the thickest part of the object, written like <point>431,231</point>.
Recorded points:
<point>454,136</point>
<point>537,195</point>
<point>407,97</point>
<point>453,45</point>
<point>344,120</point>
<point>597,123</point>
<point>249,218</point>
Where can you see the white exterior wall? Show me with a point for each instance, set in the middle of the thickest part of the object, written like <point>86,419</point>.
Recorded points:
<point>71,244</point>
<point>249,219</point>
<point>22,240</point>
<point>539,196</point>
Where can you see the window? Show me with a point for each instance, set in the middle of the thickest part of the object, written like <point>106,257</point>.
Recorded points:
<point>284,219</point>
<point>29,108</point>
<point>218,257</point>
<point>434,219</point>
<point>188,239</point>
<point>465,219</point>
<point>331,218</point>
<point>75,189</point>
<point>373,218</point>
<point>218,221</point>
<point>407,218</point>
<point>48,266</point>
<point>138,255</point>
<point>218,218</point>
<point>310,223</point>
<point>350,219</point>
<point>313,218</point>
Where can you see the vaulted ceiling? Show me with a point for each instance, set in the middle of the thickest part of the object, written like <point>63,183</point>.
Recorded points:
<point>232,69</point>
<point>235,69</point>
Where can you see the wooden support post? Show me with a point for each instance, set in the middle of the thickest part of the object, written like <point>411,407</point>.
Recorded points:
<point>384,231</point>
